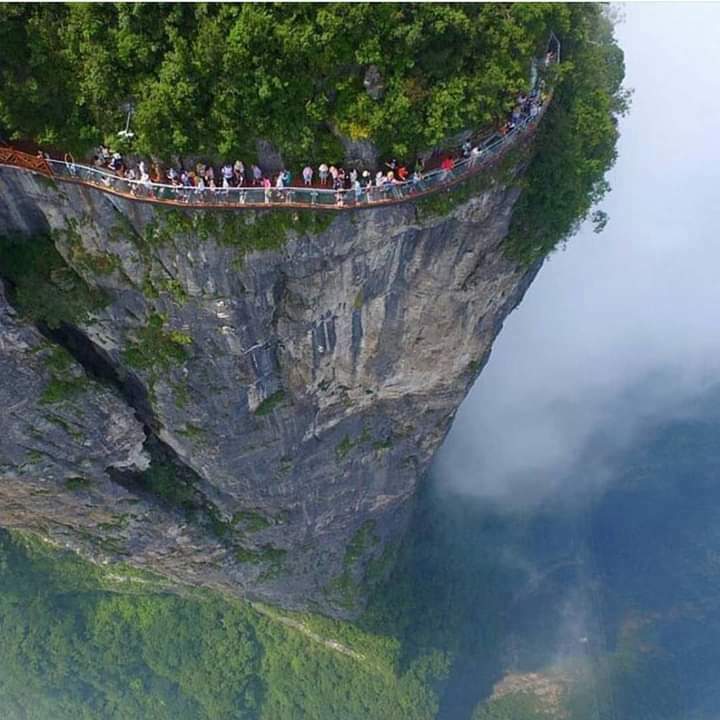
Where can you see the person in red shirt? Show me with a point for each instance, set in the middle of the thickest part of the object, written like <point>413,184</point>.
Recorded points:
<point>402,173</point>
<point>447,164</point>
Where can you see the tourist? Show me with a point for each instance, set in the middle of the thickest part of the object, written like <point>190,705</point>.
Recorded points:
<point>353,177</point>
<point>257,176</point>
<point>239,173</point>
<point>466,148</point>
<point>267,186</point>
<point>131,177</point>
<point>70,164</point>
<point>333,175</point>
<point>116,161</point>
<point>145,182</point>
<point>402,173</point>
<point>365,178</point>
<point>227,173</point>
<point>307,175</point>
<point>323,169</point>
<point>392,165</point>
<point>358,188</point>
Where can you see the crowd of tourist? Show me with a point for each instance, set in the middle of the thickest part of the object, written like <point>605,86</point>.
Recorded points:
<point>205,179</point>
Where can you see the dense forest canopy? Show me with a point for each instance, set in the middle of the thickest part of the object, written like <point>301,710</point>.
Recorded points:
<point>73,651</point>
<point>212,78</point>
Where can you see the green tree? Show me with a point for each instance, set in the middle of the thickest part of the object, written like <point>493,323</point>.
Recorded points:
<point>214,78</point>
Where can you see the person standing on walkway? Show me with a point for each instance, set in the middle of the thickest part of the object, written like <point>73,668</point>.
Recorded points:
<point>227,173</point>
<point>239,173</point>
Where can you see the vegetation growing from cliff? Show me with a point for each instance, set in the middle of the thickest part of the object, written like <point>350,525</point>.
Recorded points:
<point>163,480</point>
<point>211,78</point>
<point>345,589</point>
<point>156,349</point>
<point>576,142</point>
<point>270,403</point>
<point>43,287</point>
<point>66,378</point>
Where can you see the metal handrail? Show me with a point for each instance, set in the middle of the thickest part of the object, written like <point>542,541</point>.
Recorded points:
<point>290,197</point>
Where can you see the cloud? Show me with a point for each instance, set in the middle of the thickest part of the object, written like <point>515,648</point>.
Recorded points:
<point>622,327</point>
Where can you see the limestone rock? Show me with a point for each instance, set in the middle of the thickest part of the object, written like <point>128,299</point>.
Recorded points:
<point>319,375</point>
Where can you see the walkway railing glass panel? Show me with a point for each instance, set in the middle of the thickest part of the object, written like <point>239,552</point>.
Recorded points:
<point>309,197</point>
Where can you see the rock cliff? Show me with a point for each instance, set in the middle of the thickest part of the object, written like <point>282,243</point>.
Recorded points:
<point>295,372</point>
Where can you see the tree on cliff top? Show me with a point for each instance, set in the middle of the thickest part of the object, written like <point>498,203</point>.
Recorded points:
<point>576,143</point>
<point>212,78</point>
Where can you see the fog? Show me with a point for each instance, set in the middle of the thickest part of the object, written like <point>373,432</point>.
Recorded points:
<point>620,328</point>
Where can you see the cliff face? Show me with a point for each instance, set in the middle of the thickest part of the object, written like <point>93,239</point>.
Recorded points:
<point>303,370</point>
